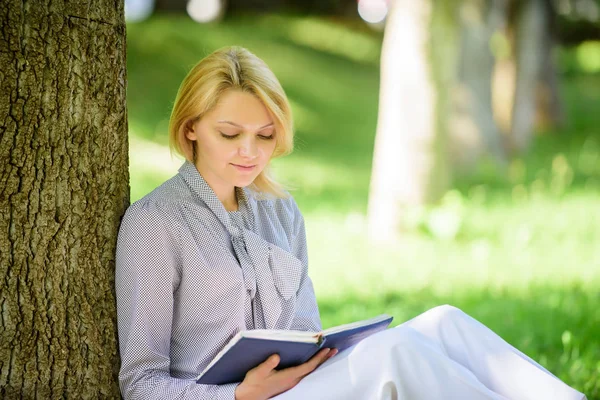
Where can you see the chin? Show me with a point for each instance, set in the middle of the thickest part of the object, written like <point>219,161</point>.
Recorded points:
<point>244,182</point>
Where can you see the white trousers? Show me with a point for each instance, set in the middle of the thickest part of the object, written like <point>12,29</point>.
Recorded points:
<point>440,354</point>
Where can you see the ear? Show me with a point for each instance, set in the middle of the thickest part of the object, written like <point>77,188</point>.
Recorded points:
<point>188,129</point>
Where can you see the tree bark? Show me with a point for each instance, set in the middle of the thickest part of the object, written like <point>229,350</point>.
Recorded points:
<point>64,187</point>
<point>409,164</point>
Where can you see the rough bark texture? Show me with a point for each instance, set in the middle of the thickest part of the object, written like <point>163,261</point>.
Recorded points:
<point>63,190</point>
<point>409,165</point>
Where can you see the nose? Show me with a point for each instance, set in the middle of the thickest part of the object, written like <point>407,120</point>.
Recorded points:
<point>248,148</point>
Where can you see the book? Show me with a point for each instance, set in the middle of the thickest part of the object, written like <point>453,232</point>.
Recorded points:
<point>248,349</point>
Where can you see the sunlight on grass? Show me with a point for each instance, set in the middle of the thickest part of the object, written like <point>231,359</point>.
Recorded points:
<point>313,177</point>
<point>340,253</point>
<point>335,39</point>
<point>305,118</point>
<point>150,164</point>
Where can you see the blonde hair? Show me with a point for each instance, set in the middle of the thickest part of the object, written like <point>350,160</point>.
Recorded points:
<point>232,68</point>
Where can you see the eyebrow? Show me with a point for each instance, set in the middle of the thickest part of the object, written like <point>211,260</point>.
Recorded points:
<point>241,127</point>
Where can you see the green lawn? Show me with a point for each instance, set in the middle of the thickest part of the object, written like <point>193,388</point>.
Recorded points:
<point>519,252</point>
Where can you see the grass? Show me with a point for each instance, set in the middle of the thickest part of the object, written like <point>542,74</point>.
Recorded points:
<point>519,251</point>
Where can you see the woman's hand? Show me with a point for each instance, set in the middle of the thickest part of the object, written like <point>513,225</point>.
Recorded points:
<point>264,381</point>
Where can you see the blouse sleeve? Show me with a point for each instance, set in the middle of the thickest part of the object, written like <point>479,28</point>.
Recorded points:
<point>147,262</point>
<point>307,312</point>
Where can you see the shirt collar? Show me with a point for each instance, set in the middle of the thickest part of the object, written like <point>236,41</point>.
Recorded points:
<point>201,188</point>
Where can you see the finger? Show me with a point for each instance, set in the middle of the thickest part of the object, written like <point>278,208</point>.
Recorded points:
<point>268,365</point>
<point>314,362</point>
<point>319,357</point>
<point>332,353</point>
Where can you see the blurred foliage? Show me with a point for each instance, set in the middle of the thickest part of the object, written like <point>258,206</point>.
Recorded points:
<point>576,21</point>
<point>583,58</point>
<point>517,250</point>
<point>339,7</point>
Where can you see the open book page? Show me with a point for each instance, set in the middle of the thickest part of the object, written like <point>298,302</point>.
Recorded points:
<point>354,325</point>
<point>283,335</point>
<point>345,336</point>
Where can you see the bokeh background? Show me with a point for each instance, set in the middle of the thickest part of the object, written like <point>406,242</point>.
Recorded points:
<point>513,234</point>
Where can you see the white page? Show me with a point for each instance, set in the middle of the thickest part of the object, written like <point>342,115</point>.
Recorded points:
<point>357,324</point>
<point>283,335</point>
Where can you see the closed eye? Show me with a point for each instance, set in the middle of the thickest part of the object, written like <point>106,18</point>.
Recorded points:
<point>229,136</point>
<point>235,135</point>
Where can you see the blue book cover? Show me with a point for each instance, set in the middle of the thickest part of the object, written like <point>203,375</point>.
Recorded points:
<point>248,349</point>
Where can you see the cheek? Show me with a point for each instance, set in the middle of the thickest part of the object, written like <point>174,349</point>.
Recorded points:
<point>268,148</point>
<point>219,151</point>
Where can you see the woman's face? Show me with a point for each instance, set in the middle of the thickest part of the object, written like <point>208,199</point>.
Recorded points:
<point>234,141</point>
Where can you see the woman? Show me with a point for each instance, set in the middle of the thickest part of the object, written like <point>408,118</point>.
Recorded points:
<point>221,247</point>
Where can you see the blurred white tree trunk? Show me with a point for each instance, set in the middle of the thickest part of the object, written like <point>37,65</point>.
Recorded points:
<point>531,28</point>
<point>473,130</point>
<point>409,164</point>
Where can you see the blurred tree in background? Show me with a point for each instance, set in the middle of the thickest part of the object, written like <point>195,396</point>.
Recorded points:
<point>461,81</point>
<point>410,166</point>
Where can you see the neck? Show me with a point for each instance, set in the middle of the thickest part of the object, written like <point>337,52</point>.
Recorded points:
<point>227,196</point>
<point>230,204</point>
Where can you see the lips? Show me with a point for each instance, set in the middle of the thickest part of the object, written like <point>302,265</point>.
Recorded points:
<point>244,168</point>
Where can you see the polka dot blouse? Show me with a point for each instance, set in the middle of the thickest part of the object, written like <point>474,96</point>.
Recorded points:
<point>190,275</point>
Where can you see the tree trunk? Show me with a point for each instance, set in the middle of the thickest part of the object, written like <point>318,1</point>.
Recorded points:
<point>409,165</point>
<point>64,187</point>
<point>473,129</point>
<point>550,112</point>
<point>529,37</point>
